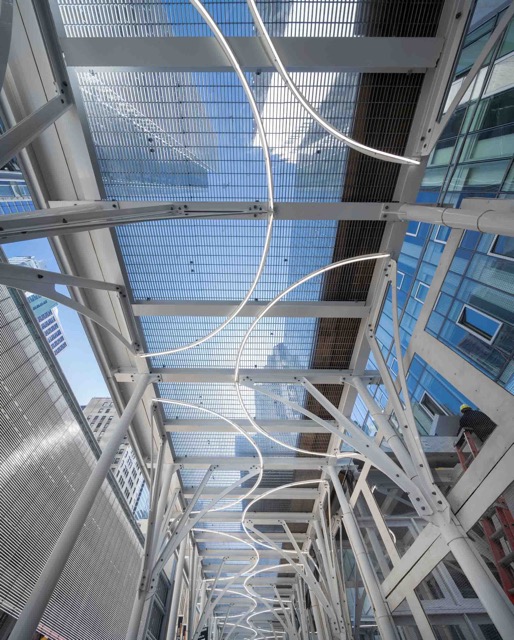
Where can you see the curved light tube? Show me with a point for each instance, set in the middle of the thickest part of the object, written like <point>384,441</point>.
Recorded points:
<point>277,63</point>
<point>299,483</point>
<point>255,573</point>
<point>269,178</point>
<point>258,613</point>
<point>243,595</point>
<point>238,540</point>
<point>180,403</point>
<point>313,274</point>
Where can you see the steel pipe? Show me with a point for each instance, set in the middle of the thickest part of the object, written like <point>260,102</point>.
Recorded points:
<point>383,617</point>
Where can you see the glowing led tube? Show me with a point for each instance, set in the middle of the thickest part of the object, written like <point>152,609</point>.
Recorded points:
<point>238,540</point>
<point>277,63</point>
<point>242,595</point>
<point>269,178</point>
<point>255,573</point>
<point>180,403</point>
<point>299,483</point>
<point>313,274</point>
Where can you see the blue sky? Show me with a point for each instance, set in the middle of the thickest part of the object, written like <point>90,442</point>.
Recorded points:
<point>77,360</point>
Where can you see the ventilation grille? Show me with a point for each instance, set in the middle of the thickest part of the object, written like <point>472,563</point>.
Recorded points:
<point>46,463</point>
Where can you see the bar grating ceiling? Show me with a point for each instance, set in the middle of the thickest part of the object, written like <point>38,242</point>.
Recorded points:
<point>283,18</point>
<point>191,136</point>
<point>176,136</point>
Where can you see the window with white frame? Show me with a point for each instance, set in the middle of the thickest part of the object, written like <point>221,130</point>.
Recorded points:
<point>413,229</point>
<point>421,292</point>
<point>400,277</point>
<point>431,407</point>
<point>442,234</point>
<point>502,247</point>
<point>479,324</point>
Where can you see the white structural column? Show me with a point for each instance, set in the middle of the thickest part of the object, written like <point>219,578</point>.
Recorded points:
<point>486,216</point>
<point>383,617</point>
<point>159,497</point>
<point>44,587</point>
<point>177,591</point>
<point>487,589</point>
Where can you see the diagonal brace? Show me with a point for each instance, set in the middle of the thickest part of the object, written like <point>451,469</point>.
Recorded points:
<point>44,282</point>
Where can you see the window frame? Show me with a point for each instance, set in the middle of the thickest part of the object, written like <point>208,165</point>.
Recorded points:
<point>413,235</point>
<point>398,274</point>
<point>417,290</point>
<point>490,252</point>
<point>436,239</point>
<point>460,324</point>
<point>425,408</point>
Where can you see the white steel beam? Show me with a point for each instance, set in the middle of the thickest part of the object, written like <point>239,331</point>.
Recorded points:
<point>377,55</point>
<point>207,537</point>
<point>486,216</point>
<point>25,131</point>
<point>259,517</point>
<point>236,209</point>
<point>255,376</point>
<point>252,309</point>
<point>298,493</point>
<point>220,426</point>
<point>64,218</point>
<point>239,463</point>
<point>210,554</point>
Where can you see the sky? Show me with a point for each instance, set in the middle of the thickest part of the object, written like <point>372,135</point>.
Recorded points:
<point>77,360</point>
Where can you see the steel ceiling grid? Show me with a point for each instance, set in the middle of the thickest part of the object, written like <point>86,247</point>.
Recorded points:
<point>220,397</point>
<point>191,136</point>
<point>283,18</point>
<point>275,343</point>
<point>225,445</point>
<point>216,259</point>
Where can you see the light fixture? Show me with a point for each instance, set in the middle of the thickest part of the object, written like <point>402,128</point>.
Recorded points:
<point>269,178</point>
<point>279,66</point>
<point>270,305</point>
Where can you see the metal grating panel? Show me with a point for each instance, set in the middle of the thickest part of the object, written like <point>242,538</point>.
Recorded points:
<point>275,343</point>
<point>46,462</point>
<point>227,444</point>
<point>383,117</point>
<point>286,18</point>
<point>191,136</point>
<point>217,259</point>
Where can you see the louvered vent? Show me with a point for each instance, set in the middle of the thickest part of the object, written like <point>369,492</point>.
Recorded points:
<point>46,463</point>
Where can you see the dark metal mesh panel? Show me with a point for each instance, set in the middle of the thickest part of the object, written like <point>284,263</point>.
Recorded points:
<point>46,461</point>
<point>383,116</point>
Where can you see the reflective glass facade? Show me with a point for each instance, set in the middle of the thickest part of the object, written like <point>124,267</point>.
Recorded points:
<point>473,312</point>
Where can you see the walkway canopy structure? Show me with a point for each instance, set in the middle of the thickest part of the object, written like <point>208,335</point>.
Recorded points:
<point>190,163</point>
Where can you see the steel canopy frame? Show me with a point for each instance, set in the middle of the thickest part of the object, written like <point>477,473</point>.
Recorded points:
<point>98,241</point>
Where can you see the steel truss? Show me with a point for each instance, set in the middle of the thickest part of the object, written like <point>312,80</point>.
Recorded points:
<point>171,526</point>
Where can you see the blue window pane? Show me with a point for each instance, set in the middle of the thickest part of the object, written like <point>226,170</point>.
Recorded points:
<point>482,325</point>
<point>413,228</point>
<point>503,246</point>
<point>442,234</point>
<point>469,240</point>
<point>421,292</point>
